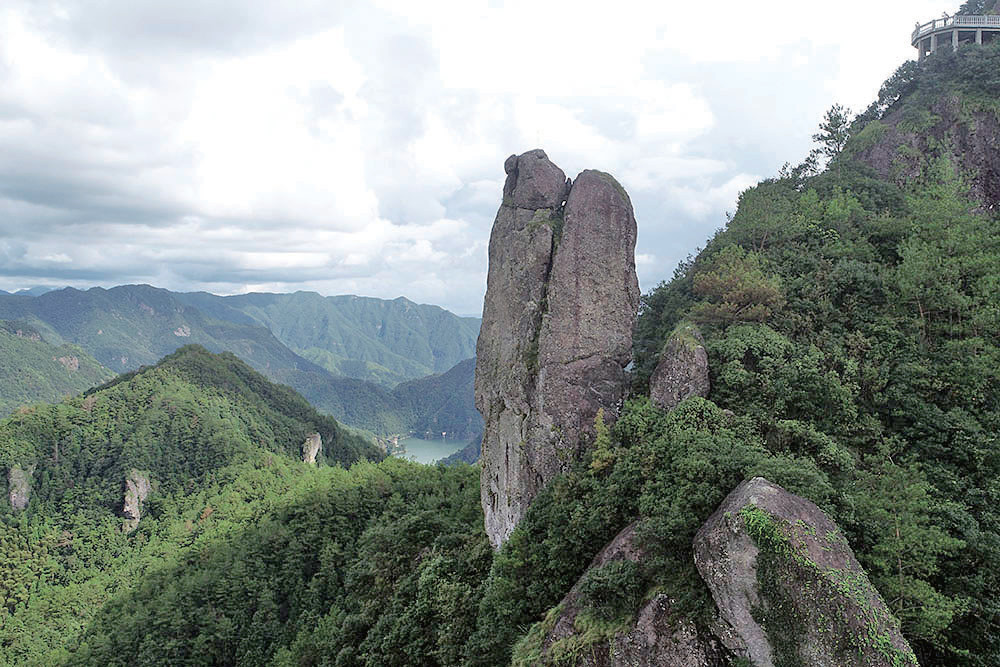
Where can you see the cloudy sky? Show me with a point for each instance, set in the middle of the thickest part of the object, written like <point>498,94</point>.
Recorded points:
<point>358,147</point>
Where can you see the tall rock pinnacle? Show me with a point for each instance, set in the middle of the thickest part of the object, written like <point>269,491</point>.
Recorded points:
<point>561,302</point>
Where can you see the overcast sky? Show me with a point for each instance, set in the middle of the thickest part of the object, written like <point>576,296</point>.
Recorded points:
<point>357,147</point>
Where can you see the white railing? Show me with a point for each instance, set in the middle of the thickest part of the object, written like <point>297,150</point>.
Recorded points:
<point>956,22</point>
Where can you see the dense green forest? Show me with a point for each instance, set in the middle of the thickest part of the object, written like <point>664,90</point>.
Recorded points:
<point>205,430</point>
<point>851,324</point>
<point>33,371</point>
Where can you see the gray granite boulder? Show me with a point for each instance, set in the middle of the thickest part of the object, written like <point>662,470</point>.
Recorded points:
<point>787,583</point>
<point>137,489</point>
<point>311,447</point>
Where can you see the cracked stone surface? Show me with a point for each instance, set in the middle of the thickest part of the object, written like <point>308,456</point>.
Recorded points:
<point>561,302</point>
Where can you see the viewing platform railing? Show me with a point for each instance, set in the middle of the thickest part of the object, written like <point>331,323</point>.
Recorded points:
<point>955,22</point>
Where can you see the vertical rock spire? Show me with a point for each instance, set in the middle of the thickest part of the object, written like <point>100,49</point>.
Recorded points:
<point>560,306</point>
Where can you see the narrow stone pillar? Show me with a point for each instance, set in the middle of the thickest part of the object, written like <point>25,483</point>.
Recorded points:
<point>934,43</point>
<point>954,40</point>
<point>979,36</point>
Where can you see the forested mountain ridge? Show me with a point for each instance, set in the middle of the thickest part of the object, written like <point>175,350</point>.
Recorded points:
<point>426,406</point>
<point>32,370</point>
<point>189,414</point>
<point>133,325</point>
<point>196,426</point>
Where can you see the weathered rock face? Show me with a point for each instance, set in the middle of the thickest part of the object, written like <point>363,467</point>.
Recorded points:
<point>682,371</point>
<point>560,306</point>
<point>311,447</point>
<point>971,140</point>
<point>71,363</point>
<point>786,581</point>
<point>137,489</point>
<point>19,487</point>
<point>658,637</point>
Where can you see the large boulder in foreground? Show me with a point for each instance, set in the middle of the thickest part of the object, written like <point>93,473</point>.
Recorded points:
<point>785,579</point>
<point>658,635</point>
<point>561,302</point>
<point>682,371</point>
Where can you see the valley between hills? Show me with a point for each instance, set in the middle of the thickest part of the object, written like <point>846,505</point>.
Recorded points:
<point>391,368</point>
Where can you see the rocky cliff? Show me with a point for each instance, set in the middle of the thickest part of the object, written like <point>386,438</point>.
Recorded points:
<point>900,146</point>
<point>561,301</point>
<point>19,487</point>
<point>137,488</point>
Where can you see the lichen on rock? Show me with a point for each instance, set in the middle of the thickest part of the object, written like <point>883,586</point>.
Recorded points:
<point>784,578</point>
<point>560,306</point>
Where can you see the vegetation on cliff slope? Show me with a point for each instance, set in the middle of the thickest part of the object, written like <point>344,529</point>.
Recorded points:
<point>852,328</point>
<point>879,361</point>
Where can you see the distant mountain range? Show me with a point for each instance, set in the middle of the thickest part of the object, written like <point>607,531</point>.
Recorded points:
<point>347,355</point>
<point>370,339</point>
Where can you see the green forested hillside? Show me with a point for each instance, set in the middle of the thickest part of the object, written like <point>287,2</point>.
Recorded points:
<point>855,321</point>
<point>34,371</point>
<point>851,324</point>
<point>206,431</point>
<point>177,421</point>
<point>386,342</point>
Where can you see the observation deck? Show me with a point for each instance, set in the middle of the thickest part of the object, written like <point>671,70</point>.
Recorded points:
<point>954,31</point>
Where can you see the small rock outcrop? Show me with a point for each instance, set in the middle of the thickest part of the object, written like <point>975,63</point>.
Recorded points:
<point>659,635</point>
<point>682,371</point>
<point>311,447</point>
<point>19,487</point>
<point>137,489</point>
<point>561,302</point>
<point>69,362</point>
<point>786,581</point>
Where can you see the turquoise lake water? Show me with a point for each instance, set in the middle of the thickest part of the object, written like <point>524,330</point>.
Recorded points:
<point>429,451</point>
